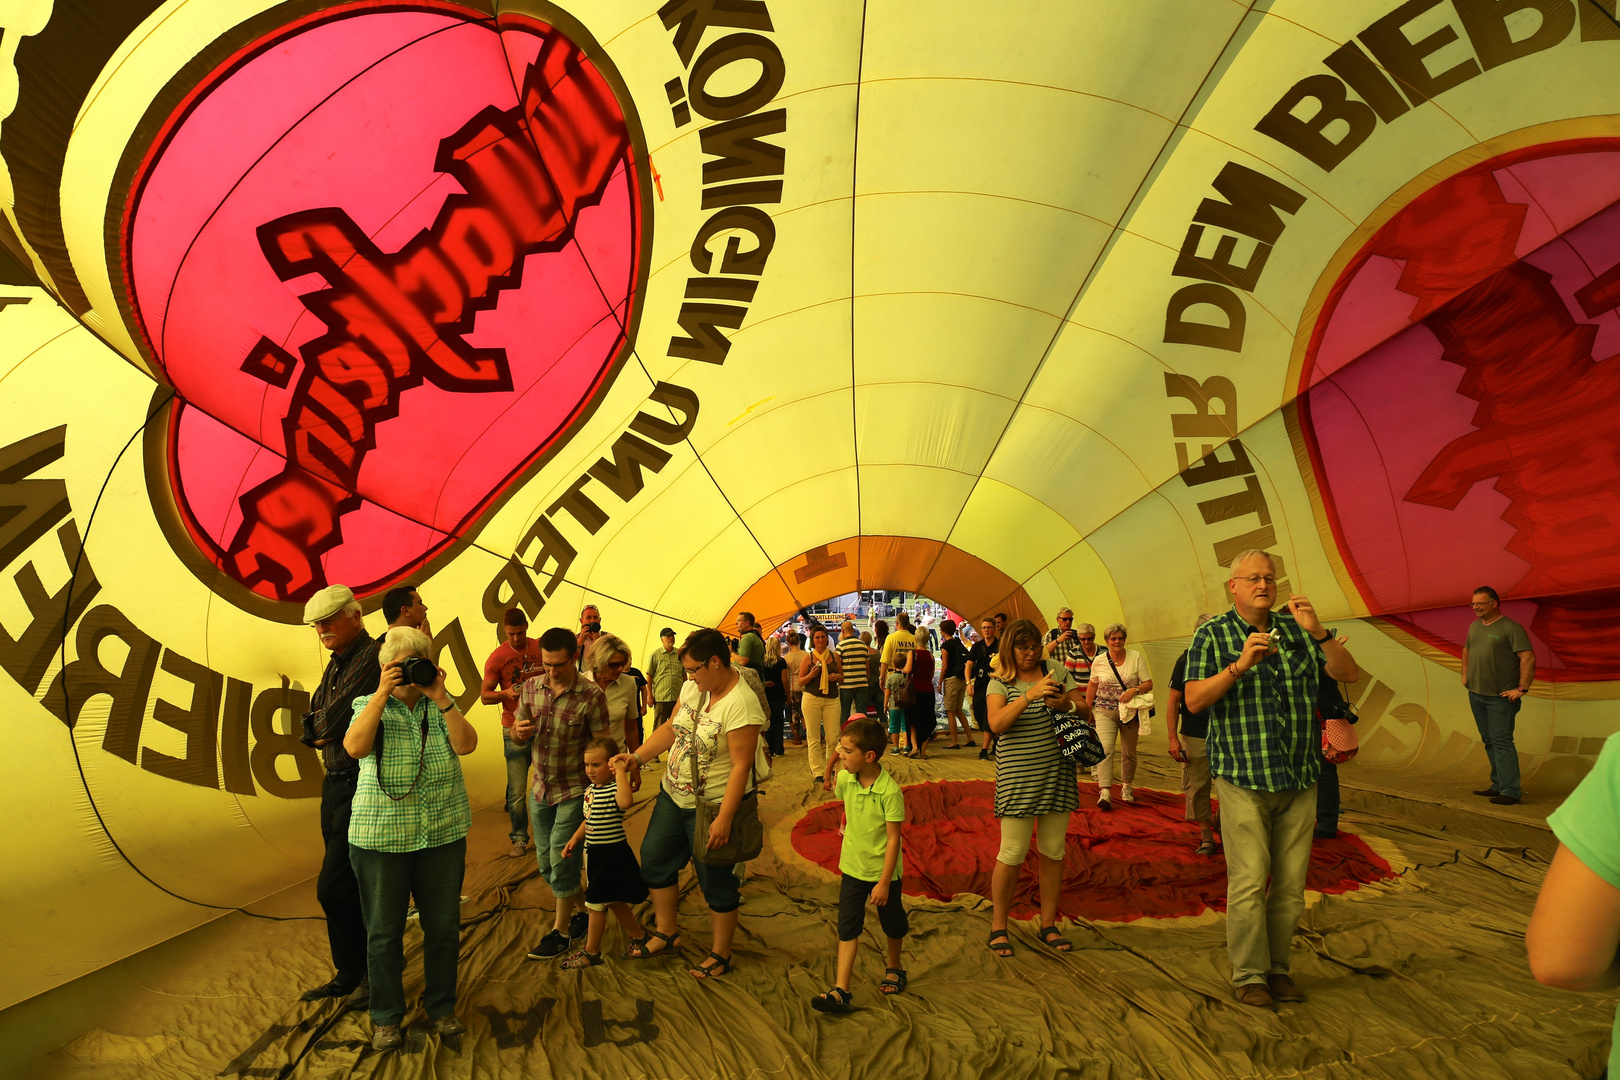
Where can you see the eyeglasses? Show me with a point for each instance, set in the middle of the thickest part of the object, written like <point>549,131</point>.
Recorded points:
<point>1253,580</point>
<point>615,663</point>
<point>1065,618</point>
<point>1088,637</point>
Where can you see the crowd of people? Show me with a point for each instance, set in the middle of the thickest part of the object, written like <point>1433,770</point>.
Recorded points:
<point>581,726</point>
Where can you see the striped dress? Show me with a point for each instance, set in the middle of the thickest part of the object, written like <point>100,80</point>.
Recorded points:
<point>1032,775</point>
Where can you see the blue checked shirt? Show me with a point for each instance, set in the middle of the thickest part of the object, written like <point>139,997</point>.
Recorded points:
<point>1263,734</point>
<point>436,811</point>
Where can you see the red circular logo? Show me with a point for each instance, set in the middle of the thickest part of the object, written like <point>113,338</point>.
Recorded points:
<point>387,259</point>
<point>1457,398</point>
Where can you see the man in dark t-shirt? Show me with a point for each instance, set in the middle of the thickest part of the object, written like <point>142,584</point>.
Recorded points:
<point>1187,747</point>
<point>978,672</point>
<point>953,681</point>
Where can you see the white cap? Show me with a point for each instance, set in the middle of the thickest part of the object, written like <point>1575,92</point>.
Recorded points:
<point>328,602</point>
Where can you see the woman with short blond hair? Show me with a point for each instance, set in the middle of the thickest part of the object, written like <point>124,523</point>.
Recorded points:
<point>607,661</point>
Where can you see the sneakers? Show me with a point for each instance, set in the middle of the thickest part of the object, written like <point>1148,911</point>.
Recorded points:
<point>386,1037</point>
<point>578,923</point>
<point>448,1024</point>
<point>1127,794</point>
<point>552,945</point>
<point>519,848</point>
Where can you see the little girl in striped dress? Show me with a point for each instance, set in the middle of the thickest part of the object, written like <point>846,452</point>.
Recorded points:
<point>612,875</point>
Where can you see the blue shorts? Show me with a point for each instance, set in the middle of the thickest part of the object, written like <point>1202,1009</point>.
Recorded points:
<point>897,721</point>
<point>667,848</point>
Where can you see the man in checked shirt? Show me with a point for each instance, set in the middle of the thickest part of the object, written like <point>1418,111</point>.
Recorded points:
<point>1256,669</point>
<point>351,671</point>
<point>558,714</point>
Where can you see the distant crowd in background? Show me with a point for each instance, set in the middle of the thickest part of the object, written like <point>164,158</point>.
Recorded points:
<point>1253,712</point>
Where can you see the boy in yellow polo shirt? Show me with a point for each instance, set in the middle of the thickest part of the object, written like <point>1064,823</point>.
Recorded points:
<point>874,807</point>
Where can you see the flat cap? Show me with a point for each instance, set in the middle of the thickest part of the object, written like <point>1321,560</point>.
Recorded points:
<point>328,602</point>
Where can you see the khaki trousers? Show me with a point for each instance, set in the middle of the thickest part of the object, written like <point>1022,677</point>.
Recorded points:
<point>1267,834</point>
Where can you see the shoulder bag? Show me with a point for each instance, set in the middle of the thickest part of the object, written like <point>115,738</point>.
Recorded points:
<point>1334,717</point>
<point>1076,735</point>
<point>1131,704</point>
<point>747,837</point>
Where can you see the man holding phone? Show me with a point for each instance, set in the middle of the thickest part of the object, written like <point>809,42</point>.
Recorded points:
<point>1257,670</point>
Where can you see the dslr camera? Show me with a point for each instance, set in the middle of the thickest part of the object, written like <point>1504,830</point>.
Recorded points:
<point>419,670</point>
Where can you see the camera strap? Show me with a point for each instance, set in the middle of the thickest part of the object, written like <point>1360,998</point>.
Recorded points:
<point>421,758</point>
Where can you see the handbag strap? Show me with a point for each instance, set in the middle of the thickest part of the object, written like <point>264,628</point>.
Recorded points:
<point>691,745</point>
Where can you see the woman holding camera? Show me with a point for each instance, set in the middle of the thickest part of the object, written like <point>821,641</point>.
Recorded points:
<point>408,829</point>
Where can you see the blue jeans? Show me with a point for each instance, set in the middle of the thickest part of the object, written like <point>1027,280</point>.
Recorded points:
<point>517,787</point>
<point>851,702</point>
<point>1495,716</point>
<point>388,879</point>
<point>554,826</point>
<point>1327,800</point>
<point>667,847</point>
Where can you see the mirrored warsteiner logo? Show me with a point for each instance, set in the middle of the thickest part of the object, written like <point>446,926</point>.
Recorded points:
<point>381,303</point>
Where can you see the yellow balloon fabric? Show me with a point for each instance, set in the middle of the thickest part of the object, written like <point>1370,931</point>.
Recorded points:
<point>689,309</point>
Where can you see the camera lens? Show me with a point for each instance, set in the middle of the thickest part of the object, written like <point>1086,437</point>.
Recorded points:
<point>418,670</point>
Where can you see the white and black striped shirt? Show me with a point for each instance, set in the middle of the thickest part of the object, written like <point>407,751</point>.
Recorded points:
<point>604,821</point>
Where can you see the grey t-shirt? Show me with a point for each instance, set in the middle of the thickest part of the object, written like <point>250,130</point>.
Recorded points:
<point>1493,662</point>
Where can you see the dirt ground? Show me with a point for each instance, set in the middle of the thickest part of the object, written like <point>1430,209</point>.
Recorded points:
<point>1421,975</point>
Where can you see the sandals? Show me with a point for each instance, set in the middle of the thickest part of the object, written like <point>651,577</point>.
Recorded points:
<point>706,970</point>
<point>581,960</point>
<point>1206,848</point>
<point>638,948</point>
<point>835,1000</point>
<point>1003,948</point>
<point>1053,940</point>
<point>894,980</point>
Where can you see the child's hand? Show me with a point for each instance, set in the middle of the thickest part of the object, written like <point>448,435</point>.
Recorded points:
<point>568,849</point>
<point>880,893</point>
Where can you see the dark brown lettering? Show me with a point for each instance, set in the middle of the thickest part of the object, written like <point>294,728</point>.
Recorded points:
<point>747,219</point>
<point>198,722</point>
<point>581,506</point>
<point>736,143</point>
<point>622,475</point>
<point>87,677</point>
<point>523,593</point>
<point>29,508</point>
<point>554,548</point>
<point>1252,201</point>
<point>1485,22</point>
<point>1308,137</point>
<point>27,657</point>
<point>690,18</point>
<point>271,743</point>
<point>704,341</point>
<point>732,49</point>
<point>1352,65</point>
<point>678,399</point>
<point>1403,58</point>
<point>1180,330</point>
<point>236,768</point>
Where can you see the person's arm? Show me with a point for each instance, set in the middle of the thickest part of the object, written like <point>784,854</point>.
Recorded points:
<point>835,674</point>
<point>463,736</point>
<point>662,738</point>
<point>1465,664</point>
<point>621,787</point>
<point>1527,675</point>
<point>574,841</point>
<point>1340,664</point>
<point>891,859</point>
<point>362,733</point>
<point>967,672</point>
<point>1202,693</point>
<point>1172,714</point>
<point>741,742</point>
<point>490,693</point>
<point>1091,692</point>
<point>1574,932</point>
<point>522,729</point>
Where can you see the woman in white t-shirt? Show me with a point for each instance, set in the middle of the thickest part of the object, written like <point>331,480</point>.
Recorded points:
<point>1117,675</point>
<point>720,720</point>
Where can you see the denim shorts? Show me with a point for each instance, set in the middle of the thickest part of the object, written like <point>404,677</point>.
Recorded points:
<point>667,848</point>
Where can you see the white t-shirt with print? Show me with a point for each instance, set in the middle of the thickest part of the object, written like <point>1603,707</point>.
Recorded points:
<point>739,708</point>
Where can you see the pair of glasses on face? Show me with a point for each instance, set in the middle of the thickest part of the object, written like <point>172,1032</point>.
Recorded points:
<point>1065,618</point>
<point>1254,580</point>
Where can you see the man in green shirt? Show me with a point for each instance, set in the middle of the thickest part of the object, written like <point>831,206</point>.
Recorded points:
<point>1498,667</point>
<point>750,645</point>
<point>666,676</point>
<point>1256,670</point>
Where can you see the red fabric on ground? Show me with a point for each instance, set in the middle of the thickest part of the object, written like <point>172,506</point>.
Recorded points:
<point>1133,863</point>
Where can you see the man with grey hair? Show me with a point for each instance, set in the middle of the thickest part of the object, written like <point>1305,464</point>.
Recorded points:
<point>351,670</point>
<point>1256,670</point>
<point>1187,747</point>
<point>1066,645</point>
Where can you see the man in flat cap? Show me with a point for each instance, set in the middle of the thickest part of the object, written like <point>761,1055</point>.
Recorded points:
<point>351,671</point>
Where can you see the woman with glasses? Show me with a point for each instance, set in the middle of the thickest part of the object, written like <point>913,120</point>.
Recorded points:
<point>606,661</point>
<point>715,751</point>
<point>1035,783</point>
<point>1117,675</point>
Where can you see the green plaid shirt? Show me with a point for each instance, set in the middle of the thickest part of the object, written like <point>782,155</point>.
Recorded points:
<point>436,812</point>
<point>1263,734</point>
